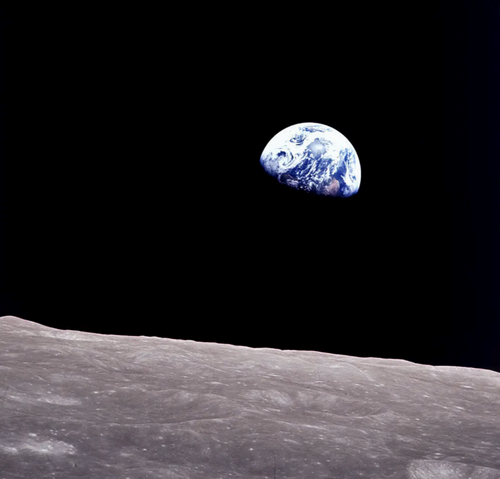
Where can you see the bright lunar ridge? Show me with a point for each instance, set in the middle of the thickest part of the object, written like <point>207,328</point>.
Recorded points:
<point>315,158</point>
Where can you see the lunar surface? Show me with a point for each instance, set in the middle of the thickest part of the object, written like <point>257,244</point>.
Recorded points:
<point>82,405</point>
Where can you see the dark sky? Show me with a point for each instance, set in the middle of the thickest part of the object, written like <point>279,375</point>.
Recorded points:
<point>132,199</point>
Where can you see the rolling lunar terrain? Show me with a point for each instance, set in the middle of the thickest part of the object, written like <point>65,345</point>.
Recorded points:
<point>83,405</point>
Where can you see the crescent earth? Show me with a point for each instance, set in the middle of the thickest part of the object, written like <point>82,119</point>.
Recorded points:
<point>315,158</point>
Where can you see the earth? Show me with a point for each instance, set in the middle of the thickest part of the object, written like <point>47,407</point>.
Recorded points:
<point>315,158</point>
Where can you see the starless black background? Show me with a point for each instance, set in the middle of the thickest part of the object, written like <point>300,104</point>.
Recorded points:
<point>133,201</point>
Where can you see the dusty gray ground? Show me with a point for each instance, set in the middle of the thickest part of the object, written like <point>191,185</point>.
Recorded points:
<point>80,405</point>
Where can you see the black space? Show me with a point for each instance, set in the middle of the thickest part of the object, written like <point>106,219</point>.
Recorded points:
<point>133,202</point>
